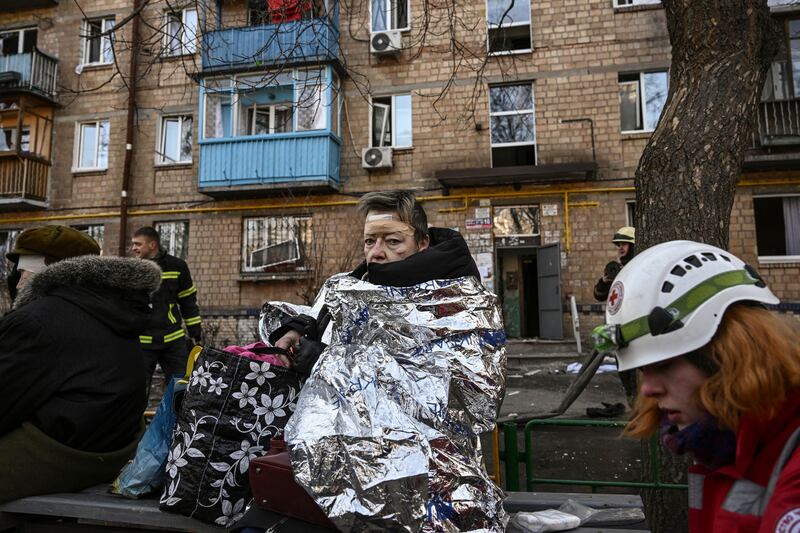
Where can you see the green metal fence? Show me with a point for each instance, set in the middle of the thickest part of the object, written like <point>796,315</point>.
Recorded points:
<point>511,456</point>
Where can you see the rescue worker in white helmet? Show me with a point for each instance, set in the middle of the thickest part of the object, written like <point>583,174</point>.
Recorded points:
<point>625,241</point>
<point>719,379</point>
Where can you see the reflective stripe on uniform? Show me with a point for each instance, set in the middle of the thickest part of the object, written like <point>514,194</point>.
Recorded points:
<point>174,336</point>
<point>145,339</point>
<point>696,482</point>
<point>170,315</point>
<point>193,321</point>
<point>748,498</point>
<point>170,274</point>
<point>187,292</point>
<point>744,497</point>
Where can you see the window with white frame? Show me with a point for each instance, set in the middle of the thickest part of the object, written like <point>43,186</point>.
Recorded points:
<point>509,26</point>
<point>91,150</point>
<point>96,41</point>
<point>174,236</point>
<point>626,3</point>
<point>642,96</point>
<point>276,244</point>
<point>777,227</point>
<point>512,124</point>
<point>389,15</point>
<point>180,32</point>
<point>17,41</point>
<point>391,121</point>
<point>95,231</point>
<point>309,97</point>
<point>630,212</point>
<point>175,140</point>
<point>264,109</point>
<point>269,103</point>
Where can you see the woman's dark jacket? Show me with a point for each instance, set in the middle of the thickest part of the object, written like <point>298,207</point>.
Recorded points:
<point>69,352</point>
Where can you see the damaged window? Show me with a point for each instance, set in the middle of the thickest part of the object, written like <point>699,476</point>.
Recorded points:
<point>276,244</point>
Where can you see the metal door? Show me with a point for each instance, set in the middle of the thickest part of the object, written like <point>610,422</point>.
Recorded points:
<point>548,262</point>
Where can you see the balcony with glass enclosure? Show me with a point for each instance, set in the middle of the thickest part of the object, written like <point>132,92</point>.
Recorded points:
<point>279,34</point>
<point>264,133</point>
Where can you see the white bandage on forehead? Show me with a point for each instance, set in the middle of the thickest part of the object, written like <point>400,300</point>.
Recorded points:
<point>385,227</point>
<point>31,263</point>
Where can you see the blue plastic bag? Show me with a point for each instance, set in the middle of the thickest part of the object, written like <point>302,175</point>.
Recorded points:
<point>146,473</point>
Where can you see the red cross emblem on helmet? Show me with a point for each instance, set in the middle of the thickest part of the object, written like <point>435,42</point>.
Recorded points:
<point>615,296</point>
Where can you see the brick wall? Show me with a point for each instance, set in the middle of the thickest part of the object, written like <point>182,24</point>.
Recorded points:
<point>579,51</point>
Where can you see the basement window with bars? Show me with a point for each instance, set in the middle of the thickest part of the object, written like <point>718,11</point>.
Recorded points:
<point>509,26</point>
<point>95,231</point>
<point>97,45</point>
<point>180,32</point>
<point>174,236</point>
<point>276,244</point>
<point>777,221</point>
<point>513,125</point>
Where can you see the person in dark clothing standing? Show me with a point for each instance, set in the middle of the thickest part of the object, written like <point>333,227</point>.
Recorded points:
<point>625,241</point>
<point>164,341</point>
<point>72,397</point>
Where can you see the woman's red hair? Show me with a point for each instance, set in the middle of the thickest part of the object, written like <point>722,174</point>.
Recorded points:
<point>758,354</point>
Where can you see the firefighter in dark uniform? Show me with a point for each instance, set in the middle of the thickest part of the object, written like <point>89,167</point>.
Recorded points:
<point>164,342</point>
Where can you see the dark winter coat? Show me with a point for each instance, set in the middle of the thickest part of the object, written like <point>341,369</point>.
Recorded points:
<point>174,302</point>
<point>70,355</point>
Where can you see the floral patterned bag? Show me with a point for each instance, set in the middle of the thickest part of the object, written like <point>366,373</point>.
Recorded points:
<point>232,407</point>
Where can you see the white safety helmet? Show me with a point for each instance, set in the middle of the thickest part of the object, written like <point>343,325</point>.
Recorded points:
<point>669,300</point>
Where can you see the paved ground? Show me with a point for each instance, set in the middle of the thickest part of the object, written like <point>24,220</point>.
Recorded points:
<point>569,452</point>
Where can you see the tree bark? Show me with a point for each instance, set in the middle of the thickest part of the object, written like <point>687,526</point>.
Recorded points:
<point>686,179</point>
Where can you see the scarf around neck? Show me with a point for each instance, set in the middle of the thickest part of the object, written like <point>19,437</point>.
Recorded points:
<point>708,443</point>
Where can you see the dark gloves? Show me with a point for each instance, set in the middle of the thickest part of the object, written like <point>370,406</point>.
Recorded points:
<point>306,355</point>
<point>612,269</point>
<point>305,325</point>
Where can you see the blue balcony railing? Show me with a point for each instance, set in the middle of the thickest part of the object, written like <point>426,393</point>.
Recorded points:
<point>307,159</point>
<point>287,43</point>
<point>33,71</point>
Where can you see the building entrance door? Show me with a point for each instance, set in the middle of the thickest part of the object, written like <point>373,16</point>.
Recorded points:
<point>530,288</point>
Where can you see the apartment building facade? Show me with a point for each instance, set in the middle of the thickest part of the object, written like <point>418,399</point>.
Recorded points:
<point>246,131</point>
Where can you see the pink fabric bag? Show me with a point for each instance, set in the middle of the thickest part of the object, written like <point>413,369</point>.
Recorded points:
<point>251,351</point>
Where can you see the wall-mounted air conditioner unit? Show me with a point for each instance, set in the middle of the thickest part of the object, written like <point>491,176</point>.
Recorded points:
<point>376,157</point>
<point>386,42</point>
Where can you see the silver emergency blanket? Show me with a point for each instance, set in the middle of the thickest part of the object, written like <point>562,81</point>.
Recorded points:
<point>386,431</point>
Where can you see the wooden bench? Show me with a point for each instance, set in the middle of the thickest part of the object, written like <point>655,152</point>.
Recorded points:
<point>96,510</point>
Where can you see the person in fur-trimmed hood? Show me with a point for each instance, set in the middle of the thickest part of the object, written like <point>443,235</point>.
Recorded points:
<point>73,390</point>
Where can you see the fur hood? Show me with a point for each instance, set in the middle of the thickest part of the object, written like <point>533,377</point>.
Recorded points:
<point>119,273</point>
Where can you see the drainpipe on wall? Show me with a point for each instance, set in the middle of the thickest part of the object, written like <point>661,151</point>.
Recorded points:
<point>126,170</point>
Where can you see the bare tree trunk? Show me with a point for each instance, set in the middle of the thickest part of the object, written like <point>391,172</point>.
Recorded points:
<point>686,180</point>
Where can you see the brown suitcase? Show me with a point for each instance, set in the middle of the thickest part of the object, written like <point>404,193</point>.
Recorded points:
<point>274,488</point>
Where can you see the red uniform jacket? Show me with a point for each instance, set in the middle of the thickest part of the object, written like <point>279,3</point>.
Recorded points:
<point>760,491</point>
